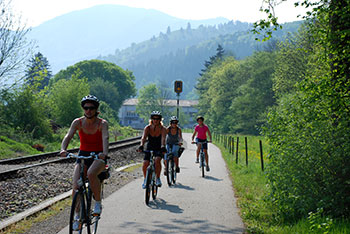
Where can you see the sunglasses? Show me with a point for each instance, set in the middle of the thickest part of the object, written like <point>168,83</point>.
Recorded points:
<point>156,118</point>
<point>89,108</point>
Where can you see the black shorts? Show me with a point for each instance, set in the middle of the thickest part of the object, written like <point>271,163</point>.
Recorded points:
<point>88,162</point>
<point>204,145</point>
<point>148,155</point>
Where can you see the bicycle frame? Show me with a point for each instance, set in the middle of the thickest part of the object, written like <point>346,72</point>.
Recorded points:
<point>84,198</point>
<point>151,179</point>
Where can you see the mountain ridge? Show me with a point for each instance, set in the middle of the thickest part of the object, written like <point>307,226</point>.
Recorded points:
<point>79,34</point>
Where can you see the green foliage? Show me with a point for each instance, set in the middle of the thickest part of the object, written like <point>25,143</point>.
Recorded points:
<point>235,94</point>
<point>38,72</point>
<point>309,130</point>
<point>107,81</point>
<point>23,111</point>
<point>152,98</point>
<point>10,148</point>
<point>180,55</point>
<point>64,99</point>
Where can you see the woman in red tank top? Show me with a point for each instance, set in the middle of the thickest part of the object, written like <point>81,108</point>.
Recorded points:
<point>94,137</point>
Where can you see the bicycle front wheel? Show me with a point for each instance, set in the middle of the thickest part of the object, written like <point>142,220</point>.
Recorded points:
<point>202,163</point>
<point>168,170</point>
<point>78,214</point>
<point>148,185</point>
<point>173,172</point>
<point>154,188</point>
<point>93,220</point>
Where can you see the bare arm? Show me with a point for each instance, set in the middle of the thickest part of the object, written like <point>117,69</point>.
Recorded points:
<point>68,137</point>
<point>105,138</point>
<point>163,136</point>
<point>194,134</point>
<point>144,136</point>
<point>180,137</point>
<point>209,134</point>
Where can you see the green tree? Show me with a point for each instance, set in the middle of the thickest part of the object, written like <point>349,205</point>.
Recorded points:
<point>24,112</point>
<point>64,99</point>
<point>111,83</point>
<point>309,129</point>
<point>38,71</point>
<point>152,98</point>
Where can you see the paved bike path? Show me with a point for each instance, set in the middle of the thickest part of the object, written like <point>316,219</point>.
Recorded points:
<point>193,205</point>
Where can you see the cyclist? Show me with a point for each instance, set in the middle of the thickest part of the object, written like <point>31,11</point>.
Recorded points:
<point>173,142</point>
<point>202,130</point>
<point>155,134</point>
<point>94,137</point>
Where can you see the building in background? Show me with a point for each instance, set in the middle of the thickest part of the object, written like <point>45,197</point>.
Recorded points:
<point>128,116</point>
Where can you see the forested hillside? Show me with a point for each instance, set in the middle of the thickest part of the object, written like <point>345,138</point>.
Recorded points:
<point>180,54</point>
<point>99,30</point>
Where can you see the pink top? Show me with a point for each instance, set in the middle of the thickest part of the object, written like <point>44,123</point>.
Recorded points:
<point>202,131</point>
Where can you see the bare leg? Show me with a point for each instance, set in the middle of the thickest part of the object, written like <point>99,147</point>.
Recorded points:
<point>176,160</point>
<point>206,156</point>
<point>144,167</point>
<point>158,166</point>
<point>96,168</point>
<point>198,150</point>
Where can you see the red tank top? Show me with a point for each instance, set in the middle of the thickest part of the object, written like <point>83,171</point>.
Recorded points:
<point>91,142</point>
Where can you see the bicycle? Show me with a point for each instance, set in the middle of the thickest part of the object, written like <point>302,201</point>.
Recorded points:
<point>82,199</point>
<point>202,163</point>
<point>170,168</point>
<point>151,179</point>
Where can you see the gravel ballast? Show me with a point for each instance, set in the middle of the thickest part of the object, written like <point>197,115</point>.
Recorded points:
<point>33,186</point>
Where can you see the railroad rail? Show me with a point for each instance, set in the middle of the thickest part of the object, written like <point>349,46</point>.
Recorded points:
<point>11,172</point>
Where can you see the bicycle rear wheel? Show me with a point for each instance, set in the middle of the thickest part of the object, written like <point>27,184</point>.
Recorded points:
<point>173,171</point>
<point>148,185</point>
<point>78,210</point>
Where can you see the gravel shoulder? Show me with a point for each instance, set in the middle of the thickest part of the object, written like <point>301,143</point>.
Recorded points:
<point>31,188</point>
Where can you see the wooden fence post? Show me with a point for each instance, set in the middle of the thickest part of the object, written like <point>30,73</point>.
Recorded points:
<point>233,146</point>
<point>246,150</point>
<point>237,150</point>
<point>261,156</point>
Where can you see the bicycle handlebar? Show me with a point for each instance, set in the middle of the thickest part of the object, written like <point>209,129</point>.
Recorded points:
<point>193,142</point>
<point>92,155</point>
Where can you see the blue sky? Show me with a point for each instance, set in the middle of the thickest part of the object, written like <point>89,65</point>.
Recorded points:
<point>35,12</point>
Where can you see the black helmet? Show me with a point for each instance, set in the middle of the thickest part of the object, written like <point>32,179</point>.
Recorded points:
<point>90,99</point>
<point>156,113</point>
<point>173,118</point>
<point>200,117</point>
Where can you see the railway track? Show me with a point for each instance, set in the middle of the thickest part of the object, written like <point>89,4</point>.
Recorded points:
<point>17,164</point>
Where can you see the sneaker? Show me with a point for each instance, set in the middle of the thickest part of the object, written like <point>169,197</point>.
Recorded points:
<point>207,168</point>
<point>76,224</point>
<point>98,208</point>
<point>178,170</point>
<point>158,182</point>
<point>197,160</point>
<point>144,184</point>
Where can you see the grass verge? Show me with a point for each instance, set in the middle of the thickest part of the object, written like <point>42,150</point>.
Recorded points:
<point>25,225</point>
<point>251,188</point>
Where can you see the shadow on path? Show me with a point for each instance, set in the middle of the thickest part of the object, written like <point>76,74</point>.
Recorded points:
<point>160,204</point>
<point>183,226</point>
<point>208,177</point>
<point>181,186</point>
